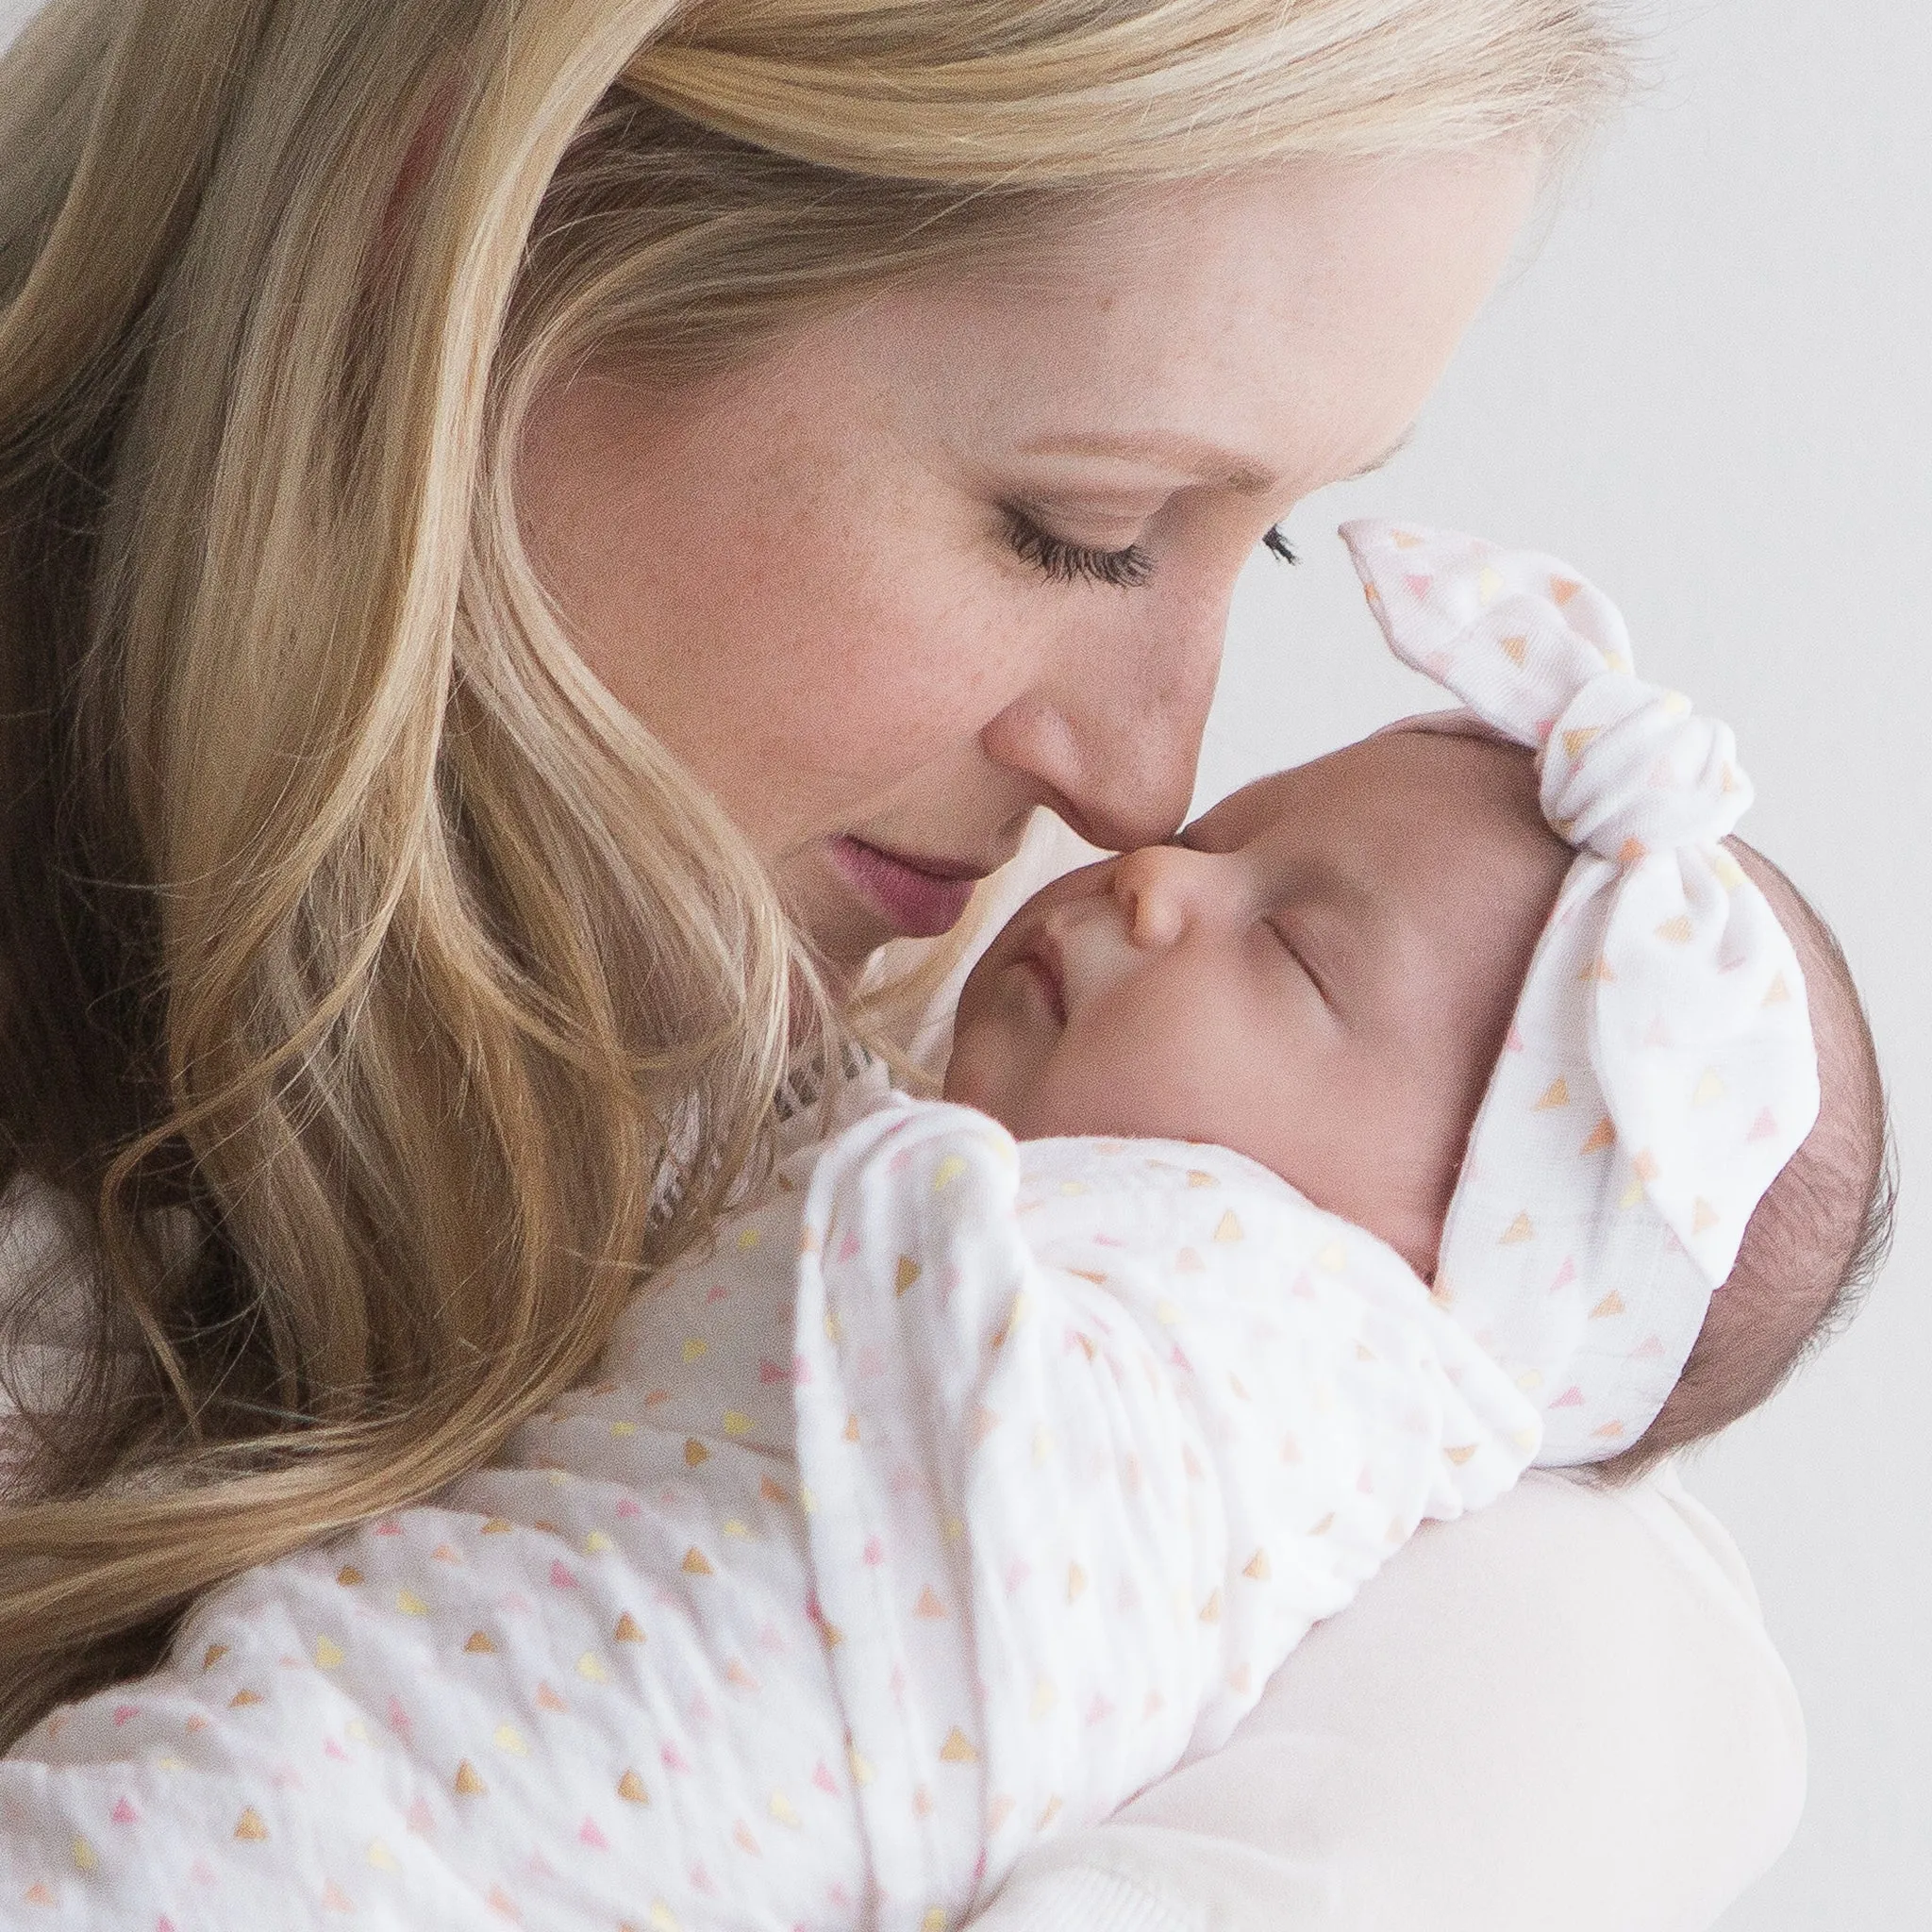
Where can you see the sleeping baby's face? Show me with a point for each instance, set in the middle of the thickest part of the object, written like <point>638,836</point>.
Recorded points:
<point>1318,974</point>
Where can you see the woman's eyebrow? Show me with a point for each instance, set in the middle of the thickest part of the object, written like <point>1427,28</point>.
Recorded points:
<point>1208,463</point>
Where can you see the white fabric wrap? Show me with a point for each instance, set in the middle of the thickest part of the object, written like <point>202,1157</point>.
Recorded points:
<point>957,1495</point>
<point>1660,1069</point>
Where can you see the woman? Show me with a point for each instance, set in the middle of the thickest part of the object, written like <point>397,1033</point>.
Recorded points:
<point>537,538</point>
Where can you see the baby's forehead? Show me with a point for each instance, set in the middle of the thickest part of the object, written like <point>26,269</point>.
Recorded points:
<point>1423,785</point>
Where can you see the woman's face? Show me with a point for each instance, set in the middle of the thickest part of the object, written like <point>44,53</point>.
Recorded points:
<point>967,548</point>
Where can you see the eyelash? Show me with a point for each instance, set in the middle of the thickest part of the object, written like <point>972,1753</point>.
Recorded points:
<point>1068,564</point>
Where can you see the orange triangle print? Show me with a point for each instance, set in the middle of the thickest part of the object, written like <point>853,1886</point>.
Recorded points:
<point>1521,1229</point>
<point>1515,649</point>
<point>1563,588</point>
<point>929,1604</point>
<point>1612,1303</point>
<point>1676,931</point>
<point>1779,992</point>
<point>906,1274</point>
<point>1703,1216</point>
<point>1556,1094</point>
<point>467,1783</point>
<point>1601,1136</point>
<point>1580,740</point>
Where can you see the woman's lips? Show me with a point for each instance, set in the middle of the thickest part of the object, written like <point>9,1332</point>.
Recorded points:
<point>922,898</point>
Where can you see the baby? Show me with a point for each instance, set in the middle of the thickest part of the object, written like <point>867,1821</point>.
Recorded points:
<point>986,1468</point>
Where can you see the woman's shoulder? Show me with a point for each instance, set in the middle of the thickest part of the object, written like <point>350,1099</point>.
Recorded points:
<point>1567,1697</point>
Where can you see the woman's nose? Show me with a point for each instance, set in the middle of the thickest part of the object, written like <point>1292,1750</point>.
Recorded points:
<point>1162,892</point>
<point>1113,737</point>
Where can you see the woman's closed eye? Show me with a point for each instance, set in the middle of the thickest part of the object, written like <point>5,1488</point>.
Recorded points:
<point>1071,563</point>
<point>1124,568</point>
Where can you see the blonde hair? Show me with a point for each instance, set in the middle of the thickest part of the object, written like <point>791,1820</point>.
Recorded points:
<point>385,999</point>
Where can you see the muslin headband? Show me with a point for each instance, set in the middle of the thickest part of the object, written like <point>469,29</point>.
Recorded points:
<point>1659,1070</point>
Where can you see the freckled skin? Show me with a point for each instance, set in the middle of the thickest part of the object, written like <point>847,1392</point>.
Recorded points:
<point>1319,975</point>
<point>800,574</point>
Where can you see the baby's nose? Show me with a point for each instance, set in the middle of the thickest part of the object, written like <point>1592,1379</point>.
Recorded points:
<point>1160,889</point>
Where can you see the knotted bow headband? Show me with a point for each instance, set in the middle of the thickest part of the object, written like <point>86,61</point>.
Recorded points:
<point>1659,1070</point>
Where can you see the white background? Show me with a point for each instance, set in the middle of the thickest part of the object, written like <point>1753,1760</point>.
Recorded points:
<point>1709,388</point>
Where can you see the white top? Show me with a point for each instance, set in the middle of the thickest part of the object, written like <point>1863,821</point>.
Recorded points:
<point>1562,1710</point>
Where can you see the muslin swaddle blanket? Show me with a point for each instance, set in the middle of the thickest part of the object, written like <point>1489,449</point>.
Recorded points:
<point>963,1489</point>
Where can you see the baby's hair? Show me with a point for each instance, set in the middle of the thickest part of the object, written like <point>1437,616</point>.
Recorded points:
<point>1820,1235</point>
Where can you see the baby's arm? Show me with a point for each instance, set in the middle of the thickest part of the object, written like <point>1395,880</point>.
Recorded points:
<point>1095,1433</point>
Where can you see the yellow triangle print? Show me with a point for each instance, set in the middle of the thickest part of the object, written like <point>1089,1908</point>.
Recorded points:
<point>1777,992</point>
<point>1612,1303</point>
<point>1461,1454</point>
<point>467,1783</point>
<point>1521,1229</point>
<point>630,1787</point>
<point>411,1604</point>
<point>1210,1610</point>
<point>907,1274</point>
<point>781,1807</point>
<point>1711,1087</point>
<point>1703,1216</point>
<point>1077,1581</point>
<point>947,1171</point>
<point>1676,931</point>
<point>1045,1695</point>
<point>958,1749</point>
<point>1227,1229</point>
<point>1488,584</point>
<point>1580,740</point>
<point>1257,1567</point>
<point>327,1654</point>
<point>662,1918</point>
